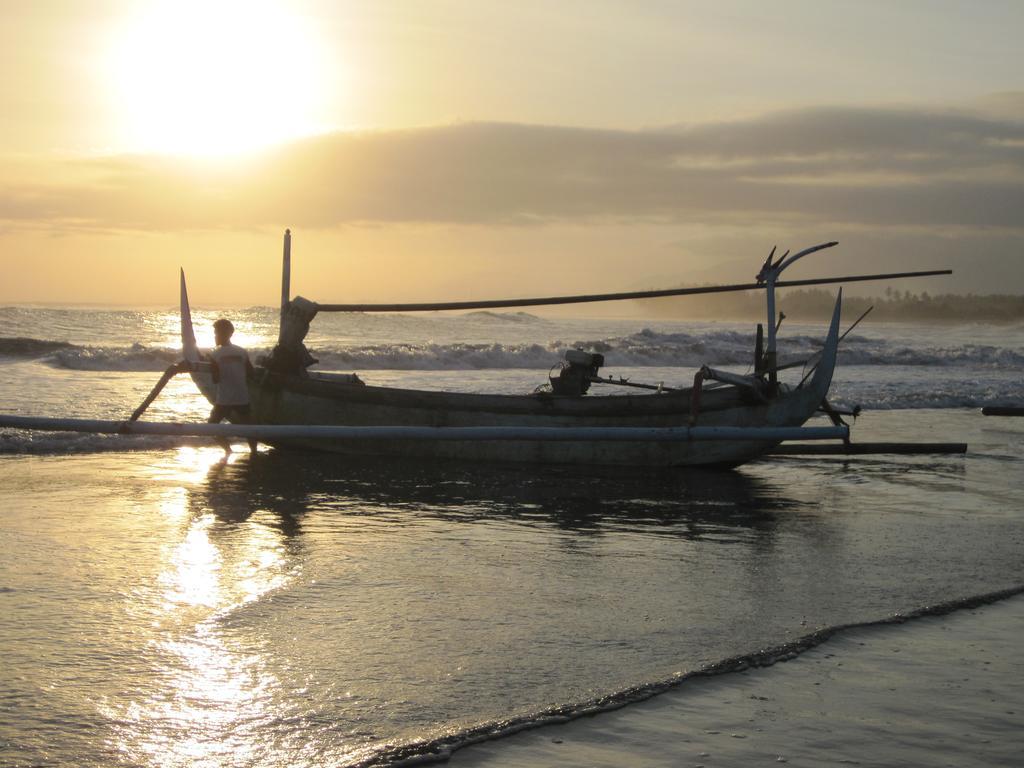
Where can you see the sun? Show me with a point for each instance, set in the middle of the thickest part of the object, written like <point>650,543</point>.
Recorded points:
<point>214,77</point>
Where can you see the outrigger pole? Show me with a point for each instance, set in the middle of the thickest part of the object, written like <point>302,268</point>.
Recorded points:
<point>767,278</point>
<point>269,432</point>
<point>595,297</point>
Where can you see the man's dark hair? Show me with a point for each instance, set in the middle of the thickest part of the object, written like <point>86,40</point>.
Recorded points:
<point>224,325</point>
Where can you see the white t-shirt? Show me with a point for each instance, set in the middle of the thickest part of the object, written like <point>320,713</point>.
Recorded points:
<point>232,388</point>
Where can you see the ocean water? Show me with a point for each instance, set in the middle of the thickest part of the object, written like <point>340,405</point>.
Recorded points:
<point>163,607</point>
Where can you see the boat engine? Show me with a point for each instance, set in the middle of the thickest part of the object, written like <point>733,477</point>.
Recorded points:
<point>576,372</point>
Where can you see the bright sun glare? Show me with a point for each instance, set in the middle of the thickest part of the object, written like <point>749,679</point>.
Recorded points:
<point>215,77</point>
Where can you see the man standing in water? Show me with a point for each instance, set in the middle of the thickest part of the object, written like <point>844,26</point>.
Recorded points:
<point>231,368</point>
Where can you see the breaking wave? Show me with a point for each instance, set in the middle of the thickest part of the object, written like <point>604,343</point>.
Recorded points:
<point>962,395</point>
<point>649,348</point>
<point>63,354</point>
<point>439,357</point>
<point>18,346</point>
<point>858,350</point>
<point>504,317</point>
<point>134,358</point>
<point>640,349</point>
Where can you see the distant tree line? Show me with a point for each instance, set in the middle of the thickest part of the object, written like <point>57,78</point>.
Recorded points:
<point>813,304</point>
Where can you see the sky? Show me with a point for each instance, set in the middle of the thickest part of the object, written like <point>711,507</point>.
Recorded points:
<point>471,149</point>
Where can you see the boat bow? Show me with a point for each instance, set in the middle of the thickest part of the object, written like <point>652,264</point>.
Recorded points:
<point>822,378</point>
<point>190,349</point>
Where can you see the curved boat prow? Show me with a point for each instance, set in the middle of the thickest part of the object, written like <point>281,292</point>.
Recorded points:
<point>189,348</point>
<point>822,379</point>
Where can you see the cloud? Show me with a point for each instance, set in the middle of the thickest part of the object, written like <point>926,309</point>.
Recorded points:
<point>864,167</point>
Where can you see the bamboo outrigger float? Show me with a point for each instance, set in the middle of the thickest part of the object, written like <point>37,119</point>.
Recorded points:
<point>732,420</point>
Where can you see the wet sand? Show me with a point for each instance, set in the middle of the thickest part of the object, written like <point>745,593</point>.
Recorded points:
<point>936,691</point>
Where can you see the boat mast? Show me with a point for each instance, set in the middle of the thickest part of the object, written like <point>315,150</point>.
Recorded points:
<point>286,272</point>
<point>290,353</point>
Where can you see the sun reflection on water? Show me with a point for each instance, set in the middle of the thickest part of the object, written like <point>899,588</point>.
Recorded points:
<point>192,466</point>
<point>211,686</point>
<point>193,579</point>
<point>210,707</point>
<point>249,333</point>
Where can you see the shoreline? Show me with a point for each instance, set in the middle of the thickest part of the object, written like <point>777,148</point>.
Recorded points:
<point>940,686</point>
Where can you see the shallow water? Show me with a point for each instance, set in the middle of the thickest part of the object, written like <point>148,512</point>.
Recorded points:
<point>939,690</point>
<point>163,607</point>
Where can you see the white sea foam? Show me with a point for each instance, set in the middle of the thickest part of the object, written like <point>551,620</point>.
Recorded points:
<point>18,441</point>
<point>643,348</point>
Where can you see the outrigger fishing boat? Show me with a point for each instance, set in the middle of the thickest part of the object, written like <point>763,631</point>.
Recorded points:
<point>285,392</point>
<point>724,419</point>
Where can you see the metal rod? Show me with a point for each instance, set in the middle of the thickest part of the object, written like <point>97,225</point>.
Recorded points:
<point>857,322</point>
<point>270,432</point>
<point>621,382</point>
<point>595,297</point>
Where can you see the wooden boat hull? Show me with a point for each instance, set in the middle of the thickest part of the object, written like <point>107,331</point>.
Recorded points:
<point>291,403</point>
<point>335,400</point>
<point>326,399</point>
